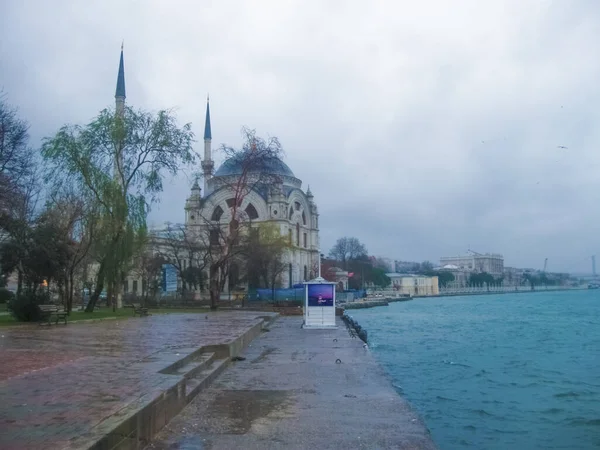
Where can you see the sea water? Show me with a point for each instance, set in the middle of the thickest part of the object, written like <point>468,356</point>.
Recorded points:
<point>512,371</point>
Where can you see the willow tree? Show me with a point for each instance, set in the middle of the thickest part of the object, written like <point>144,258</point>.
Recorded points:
<point>118,161</point>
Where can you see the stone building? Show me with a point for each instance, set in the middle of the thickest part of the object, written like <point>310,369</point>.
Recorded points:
<point>414,285</point>
<point>491,263</point>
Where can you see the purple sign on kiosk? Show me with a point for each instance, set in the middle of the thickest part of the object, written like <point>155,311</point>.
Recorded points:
<point>320,294</point>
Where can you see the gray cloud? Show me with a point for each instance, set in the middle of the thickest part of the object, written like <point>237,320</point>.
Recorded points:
<point>423,129</point>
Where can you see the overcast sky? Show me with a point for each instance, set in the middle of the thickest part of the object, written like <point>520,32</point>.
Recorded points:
<point>423,128</point>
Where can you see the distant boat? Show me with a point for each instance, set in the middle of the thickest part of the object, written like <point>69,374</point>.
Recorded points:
<point>593,286</point>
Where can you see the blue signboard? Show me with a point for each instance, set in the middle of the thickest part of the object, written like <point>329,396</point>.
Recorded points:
<point>169,278</point>
<point>320,294</point>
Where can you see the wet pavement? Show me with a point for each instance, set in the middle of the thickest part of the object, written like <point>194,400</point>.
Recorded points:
<point>59,382</point>
<point>299,389</point>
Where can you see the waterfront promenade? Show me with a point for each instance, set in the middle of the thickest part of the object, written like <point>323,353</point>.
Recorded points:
<point>109,383</point>
<point>299,389</point>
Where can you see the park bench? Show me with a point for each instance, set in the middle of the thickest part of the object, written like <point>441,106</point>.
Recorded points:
<point>49,312</point>
<point>139,309</point>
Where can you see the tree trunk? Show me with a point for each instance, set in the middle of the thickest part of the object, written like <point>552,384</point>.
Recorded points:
<point>70,292</point>
<point>19,282</point>
<point>63,289</point>
<point>110,294</point>
<point>215,293</point>
<point>99,287</point>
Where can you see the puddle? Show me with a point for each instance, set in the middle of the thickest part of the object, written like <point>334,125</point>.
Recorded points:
<point>237,411</point>
<point>189,443</point>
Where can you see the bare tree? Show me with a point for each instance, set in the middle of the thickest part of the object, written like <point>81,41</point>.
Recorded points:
<point>19,187</point>
<point>16,222</point>
<point>16,158</point>
<point>249,172</point>
<point>189,255</point>
<point>76,217</point>
<point>346,249</point>
<point>149,269</point>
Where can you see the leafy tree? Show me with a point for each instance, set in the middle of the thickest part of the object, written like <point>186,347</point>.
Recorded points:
<point>40,256</point>
<point>531,279</point>
<point>444,278</point>
<point>378,277</point>
<point>266,256</point>
<point>347,249</point>
<point>118,162</point>
<point>481,279</point>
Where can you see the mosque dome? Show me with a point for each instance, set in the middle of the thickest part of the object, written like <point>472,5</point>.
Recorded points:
<point>272,165</point>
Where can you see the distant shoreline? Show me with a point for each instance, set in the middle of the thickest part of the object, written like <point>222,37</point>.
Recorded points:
<point>525,291</point>
<point>385,301</point>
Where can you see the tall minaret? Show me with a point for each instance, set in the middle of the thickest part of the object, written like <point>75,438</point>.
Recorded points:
<point>120,109</point>
<point>207,164</point>
<point>120,92</point>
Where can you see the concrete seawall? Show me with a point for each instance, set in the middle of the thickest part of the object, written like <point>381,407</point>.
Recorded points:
<point>299,389</point>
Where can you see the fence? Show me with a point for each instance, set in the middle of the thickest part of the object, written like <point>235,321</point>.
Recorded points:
<point>296,295</point>
<point>349,296</point>
<point>278,295</point>
<point>500,289</point>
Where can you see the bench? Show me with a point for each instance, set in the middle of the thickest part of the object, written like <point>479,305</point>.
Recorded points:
<point>139,309</point>
<point>48,312</point>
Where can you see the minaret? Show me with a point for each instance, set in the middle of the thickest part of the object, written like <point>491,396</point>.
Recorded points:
<point>120,92</point>
<point>193,204</point>
<point>207,164</point>
<point>119,110</point>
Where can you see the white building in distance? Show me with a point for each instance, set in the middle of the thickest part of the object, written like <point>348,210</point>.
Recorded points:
<point>414,285</point>
<point>492,263</point>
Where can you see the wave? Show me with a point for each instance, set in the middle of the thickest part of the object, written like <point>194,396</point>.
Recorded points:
<point>553,411</point>
<point>482,412</point>
<point>582,421</point>
<point>446,399</point>
<point>452,363</point>
<point>567,394</point>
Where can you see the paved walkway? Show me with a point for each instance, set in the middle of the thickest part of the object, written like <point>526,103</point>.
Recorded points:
<point>290,393</point>
<point>57,383</point>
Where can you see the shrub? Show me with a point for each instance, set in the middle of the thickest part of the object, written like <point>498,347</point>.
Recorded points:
<point>5,295</point>
<point>25,307</point>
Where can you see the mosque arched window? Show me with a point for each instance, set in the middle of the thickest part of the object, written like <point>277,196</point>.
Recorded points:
<point>251,211</point>
<point>217,213</point>
<point>291,212</point>
<point>303,218</point>
<point>298,234</point>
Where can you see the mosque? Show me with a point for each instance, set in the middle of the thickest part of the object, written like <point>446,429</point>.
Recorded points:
<point>284,204</point>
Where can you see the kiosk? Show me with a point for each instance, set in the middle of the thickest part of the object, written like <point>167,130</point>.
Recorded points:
<point>319,304</point>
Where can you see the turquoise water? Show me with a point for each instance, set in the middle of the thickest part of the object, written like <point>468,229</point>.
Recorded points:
<point>515,371</point>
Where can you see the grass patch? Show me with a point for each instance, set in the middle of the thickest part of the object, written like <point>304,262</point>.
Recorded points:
<point>105,313</point>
